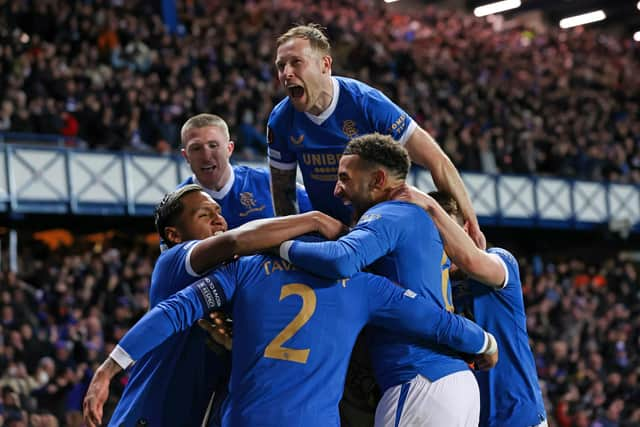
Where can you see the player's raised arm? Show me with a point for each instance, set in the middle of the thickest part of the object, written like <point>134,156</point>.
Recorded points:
<point>344,257</point>
<point>260,235</point>
<point>425,151</point>
<point>485,267</point>
<point>169,317</point>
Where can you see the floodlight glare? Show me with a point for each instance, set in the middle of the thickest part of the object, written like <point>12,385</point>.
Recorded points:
<point>497,7</point>
<point>585,18</point>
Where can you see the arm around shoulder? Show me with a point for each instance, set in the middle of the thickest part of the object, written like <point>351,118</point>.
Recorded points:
<point>425,151</point>
<point>260,235</point>
<point>487,268</point>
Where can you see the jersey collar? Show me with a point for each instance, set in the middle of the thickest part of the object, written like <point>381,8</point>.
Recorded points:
<point>222,193</point>
<point>331,108</point>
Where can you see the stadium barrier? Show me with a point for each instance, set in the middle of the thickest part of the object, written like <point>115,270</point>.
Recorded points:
<point>38,179</point>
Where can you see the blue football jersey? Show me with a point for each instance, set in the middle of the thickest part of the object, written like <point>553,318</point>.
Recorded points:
<point>509,393</point>
<point>171,385</point>
<point>247,196</point>
<point>293,333</point>
<point>316,143</point>
<point>397,240</point>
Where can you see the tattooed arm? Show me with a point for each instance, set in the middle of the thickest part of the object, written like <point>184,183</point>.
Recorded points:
<point>283,191</point>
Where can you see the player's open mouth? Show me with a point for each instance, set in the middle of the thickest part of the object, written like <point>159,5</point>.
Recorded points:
<point>295,91</point>
<point>207,168</point>
<point>219,232</point>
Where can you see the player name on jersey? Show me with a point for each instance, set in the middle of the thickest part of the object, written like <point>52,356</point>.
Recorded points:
<point>271,266</point>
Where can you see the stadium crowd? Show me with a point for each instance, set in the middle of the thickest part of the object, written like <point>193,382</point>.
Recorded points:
<point>58,321</point>
<point>499,100</point>
<point>65,314</point>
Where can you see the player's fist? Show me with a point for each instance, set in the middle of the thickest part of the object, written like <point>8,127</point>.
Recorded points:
<point>330,228</point>
<point>484,362</point>
<point>218,328</point>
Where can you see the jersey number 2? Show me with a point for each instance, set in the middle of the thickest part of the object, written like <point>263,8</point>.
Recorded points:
<point>275,350</point>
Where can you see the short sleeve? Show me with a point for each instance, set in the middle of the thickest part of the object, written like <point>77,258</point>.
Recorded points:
<point>278,152</point>
<point>387,118</point>
<point>510,264</point>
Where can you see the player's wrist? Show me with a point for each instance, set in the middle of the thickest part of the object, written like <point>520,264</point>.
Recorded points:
<point>121,357</point>
<point>284,250</point>
<point>490,345</point>
<point>109,369</point>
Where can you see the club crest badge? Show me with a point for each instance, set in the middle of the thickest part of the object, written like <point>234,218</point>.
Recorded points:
<point>349,128</point>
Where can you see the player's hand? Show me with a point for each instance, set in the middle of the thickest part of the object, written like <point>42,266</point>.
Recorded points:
<point>218,329</point>
<point>410,194</point>
<point>476,234</point>
<point>485,361</point>
<point>489,358</point>
<point>402,193</point>
<point>94,400</point>
<point>330,228</point>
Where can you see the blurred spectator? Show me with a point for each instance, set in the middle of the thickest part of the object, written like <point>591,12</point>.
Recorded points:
<point>588,318</point>
<point>59,319</point>
<point>500,98</point>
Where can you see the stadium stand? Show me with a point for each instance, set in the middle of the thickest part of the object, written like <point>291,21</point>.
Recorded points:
<point>516,100</point>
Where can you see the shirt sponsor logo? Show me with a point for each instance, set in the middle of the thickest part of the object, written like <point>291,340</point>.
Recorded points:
<point>324,166</point>
<point>298,140</point>
<point>397,128</point>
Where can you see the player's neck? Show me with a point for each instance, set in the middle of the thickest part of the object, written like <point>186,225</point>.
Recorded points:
<point>324,99</point>
<point>224,178</point>
<point>386,193</point>
<point>220,182</point>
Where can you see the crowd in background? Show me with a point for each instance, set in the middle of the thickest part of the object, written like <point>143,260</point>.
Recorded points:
<point>499,98</point>
<point>60,319</point>
<point>65,313</point>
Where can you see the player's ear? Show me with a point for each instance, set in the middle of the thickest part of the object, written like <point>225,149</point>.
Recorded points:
<point>230,147</point>
<point>378,179</point>
<point>173,234</point>
<point>327,61</point>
